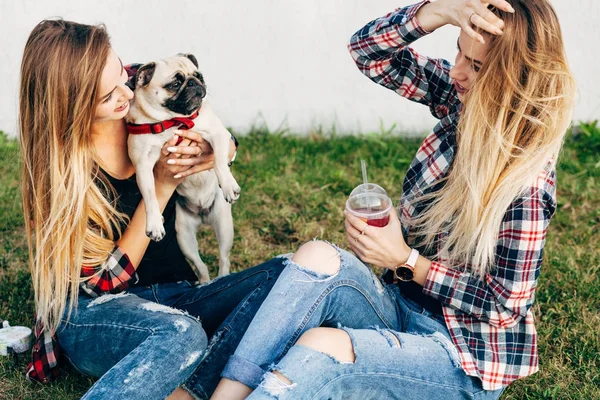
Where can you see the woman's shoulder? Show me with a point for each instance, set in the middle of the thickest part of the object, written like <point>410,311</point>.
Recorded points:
<point>546,179</point>
<point>542,192</point>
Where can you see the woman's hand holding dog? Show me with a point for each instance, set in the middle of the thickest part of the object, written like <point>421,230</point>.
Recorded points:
<point>165,173</point>
<point>192,155</point>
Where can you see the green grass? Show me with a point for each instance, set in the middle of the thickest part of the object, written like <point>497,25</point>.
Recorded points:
<point>294,190</point>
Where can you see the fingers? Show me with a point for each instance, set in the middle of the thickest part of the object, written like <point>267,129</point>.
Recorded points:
<point>352,232</point>
<point>361,248</point>
<point>195,169</point>
<point>502,4</point>
<point>487,26</point>
<point>170,142</point>
<point>478,15</point>
<point>181,149</point>
<point>195,137</point>
<point>487,16</point>
<point>357,233</point>
<point>200,159</point>
<point>472,34</point>
<point>354,220</point>
<point>189,134</point>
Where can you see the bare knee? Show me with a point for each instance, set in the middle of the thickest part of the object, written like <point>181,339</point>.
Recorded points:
<point>331,341</point>
<point>318,256</point>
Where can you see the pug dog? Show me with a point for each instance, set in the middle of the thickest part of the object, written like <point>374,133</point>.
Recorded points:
<point>173,89</point>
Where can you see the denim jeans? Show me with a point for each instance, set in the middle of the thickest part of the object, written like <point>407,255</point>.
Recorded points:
<point>149,340</point>
<point>402,351</point>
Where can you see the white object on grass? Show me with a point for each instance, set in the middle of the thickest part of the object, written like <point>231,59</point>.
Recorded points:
<point>14,339</point>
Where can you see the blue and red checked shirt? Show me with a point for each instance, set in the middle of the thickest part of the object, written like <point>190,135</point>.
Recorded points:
<point>490,318</point>
<point>113,276</point>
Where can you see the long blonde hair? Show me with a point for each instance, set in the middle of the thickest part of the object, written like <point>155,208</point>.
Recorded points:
<point>69,222</point>
<point>512,125</point>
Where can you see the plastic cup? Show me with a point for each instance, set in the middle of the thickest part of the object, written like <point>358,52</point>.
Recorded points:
<point>368,188</point>
<point>372,207</point>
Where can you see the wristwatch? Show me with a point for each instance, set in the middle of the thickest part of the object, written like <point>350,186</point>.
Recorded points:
<point>406,272</point>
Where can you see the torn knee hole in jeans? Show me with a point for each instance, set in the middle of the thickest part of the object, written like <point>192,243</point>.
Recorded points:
<point>448,346</point>
<point>309,274</point>
<point>392,338</point>
<point>276,384</point>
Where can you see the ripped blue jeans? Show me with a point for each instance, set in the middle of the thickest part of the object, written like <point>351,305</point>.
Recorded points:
<point>401,350</point>
<point>147,341</point>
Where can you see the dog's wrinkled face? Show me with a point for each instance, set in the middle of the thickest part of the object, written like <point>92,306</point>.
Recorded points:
<point>172,84</point>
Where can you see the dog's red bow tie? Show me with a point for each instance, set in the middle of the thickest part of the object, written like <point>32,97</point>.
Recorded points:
<point>159,127</point>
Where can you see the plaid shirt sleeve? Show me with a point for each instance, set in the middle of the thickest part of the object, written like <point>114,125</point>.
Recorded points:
<point>380,50</point>
<point>113,276</point>
<point>506,293</point>
<point>44,357</point>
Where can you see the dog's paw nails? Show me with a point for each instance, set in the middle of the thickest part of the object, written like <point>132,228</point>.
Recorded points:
<point>236,194</point>
<point>204,279</point>
<point>156,234</point>
<point>232,199</point>
<point>232,193</point>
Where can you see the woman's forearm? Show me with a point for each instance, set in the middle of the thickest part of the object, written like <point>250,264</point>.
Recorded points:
<point>422,267</point>
<point>431,16</point>
<point>134,240</point>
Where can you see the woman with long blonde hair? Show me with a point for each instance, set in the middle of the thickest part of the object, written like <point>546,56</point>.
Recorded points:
<point>120,308</point>
<point>452,316</point>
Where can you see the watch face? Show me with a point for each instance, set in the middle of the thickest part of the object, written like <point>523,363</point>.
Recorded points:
<point>404,273</point>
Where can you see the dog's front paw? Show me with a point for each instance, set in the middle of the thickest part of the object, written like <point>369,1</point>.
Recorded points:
<point>231,191</point>
<point>155,231</point>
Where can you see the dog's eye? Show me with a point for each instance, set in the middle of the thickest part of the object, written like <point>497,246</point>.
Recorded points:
<point>175,85</point>
<point>199,76</point>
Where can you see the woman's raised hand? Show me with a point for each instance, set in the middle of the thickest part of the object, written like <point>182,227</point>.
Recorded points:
<point>464,14</point>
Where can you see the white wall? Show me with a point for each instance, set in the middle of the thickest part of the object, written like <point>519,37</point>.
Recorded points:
<point>279,62</point>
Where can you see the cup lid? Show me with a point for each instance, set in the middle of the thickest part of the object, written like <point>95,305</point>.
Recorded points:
<point>367,188</point>
<point>369,205</point>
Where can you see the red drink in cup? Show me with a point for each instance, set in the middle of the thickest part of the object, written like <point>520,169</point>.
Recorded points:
<point>372,207</point>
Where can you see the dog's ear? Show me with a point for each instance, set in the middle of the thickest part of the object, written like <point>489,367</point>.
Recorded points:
<point>144,74</point>
<point>131,83</point>
<point>191,58</point>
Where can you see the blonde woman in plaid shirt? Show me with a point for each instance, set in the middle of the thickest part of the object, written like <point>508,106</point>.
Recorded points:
<point>476,204</point>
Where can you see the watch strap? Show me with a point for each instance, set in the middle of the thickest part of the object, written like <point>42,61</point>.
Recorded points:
<point>412,258</point>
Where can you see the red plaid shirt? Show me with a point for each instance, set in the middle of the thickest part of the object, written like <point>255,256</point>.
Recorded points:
<point>112,276</point>
<point>490,319</point>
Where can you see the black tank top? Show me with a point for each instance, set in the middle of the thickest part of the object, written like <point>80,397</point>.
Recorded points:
<point>162,261</point>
